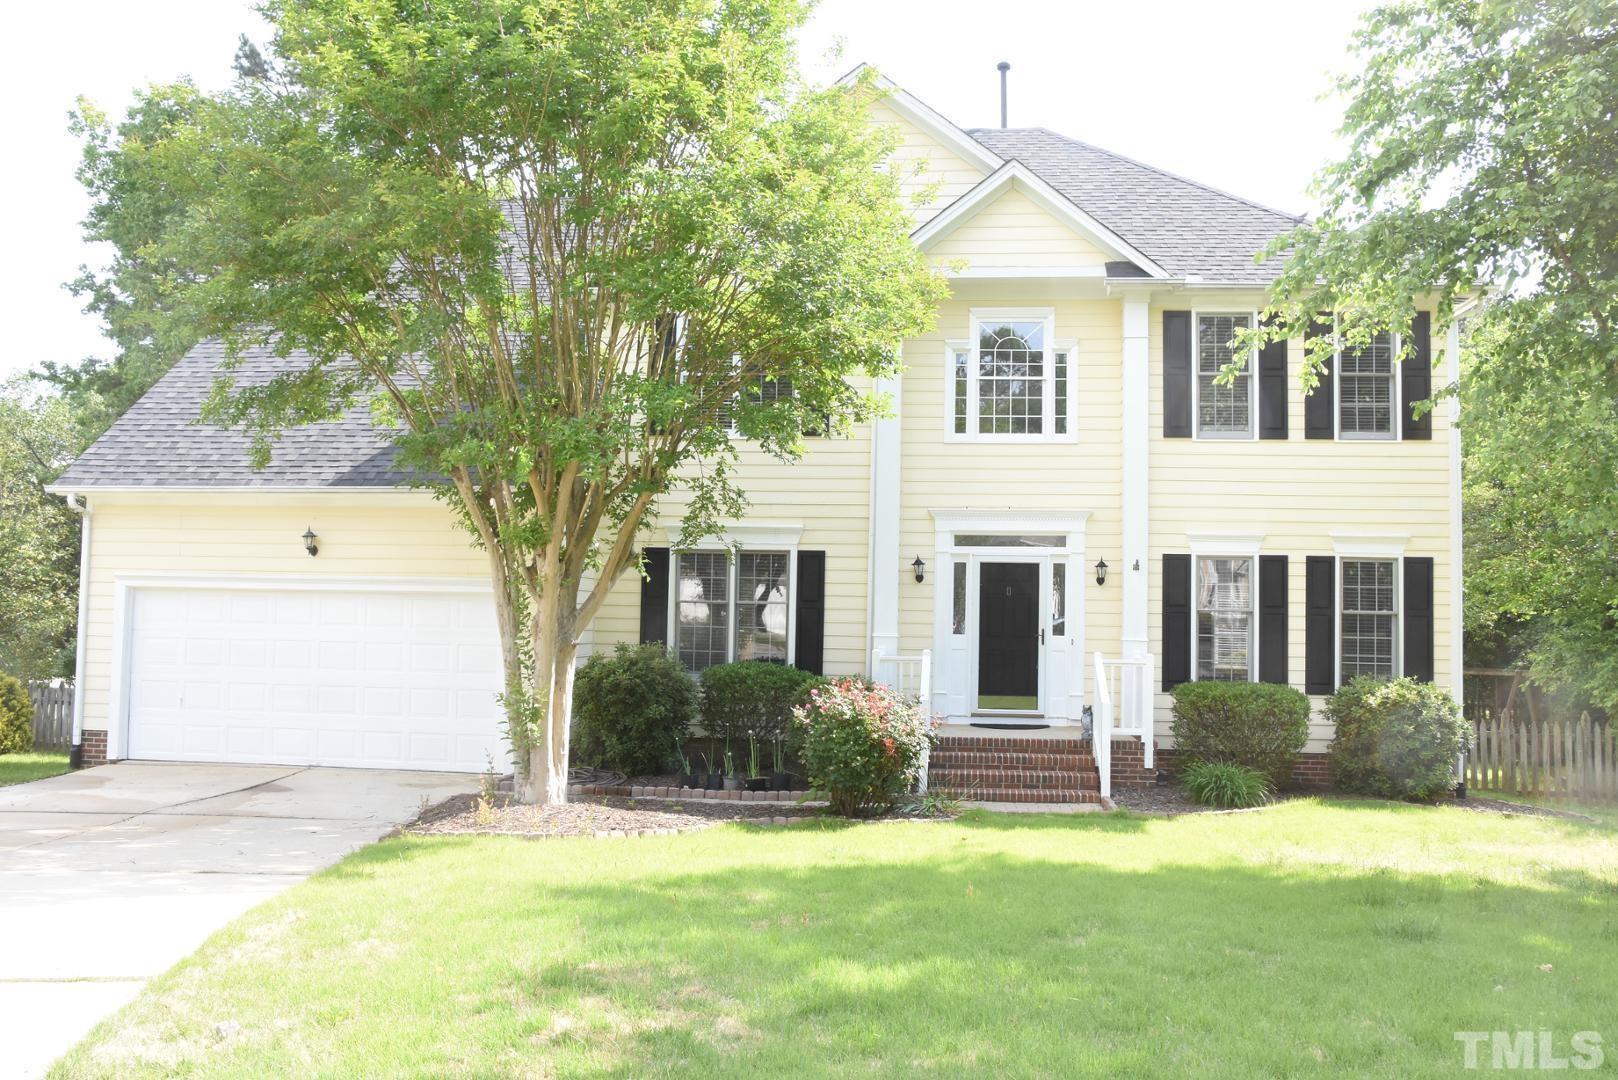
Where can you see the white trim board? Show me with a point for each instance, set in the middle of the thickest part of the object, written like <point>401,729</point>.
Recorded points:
<point>923,116</point>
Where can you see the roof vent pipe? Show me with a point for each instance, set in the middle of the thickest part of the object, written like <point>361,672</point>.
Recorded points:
<point>1003,67</point>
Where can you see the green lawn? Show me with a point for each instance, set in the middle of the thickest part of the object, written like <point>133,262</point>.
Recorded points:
<point>1311,937</point>
<point>32,765</point>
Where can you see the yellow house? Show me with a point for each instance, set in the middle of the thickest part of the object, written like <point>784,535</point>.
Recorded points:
<point>1063,517</point>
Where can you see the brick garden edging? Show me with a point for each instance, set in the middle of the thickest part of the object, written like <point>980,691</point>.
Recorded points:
<point>637,791</point>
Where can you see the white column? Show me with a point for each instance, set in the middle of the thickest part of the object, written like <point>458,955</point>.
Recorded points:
<point>1452,350</point>
<point>883,580</point>
<point>1135,420</point>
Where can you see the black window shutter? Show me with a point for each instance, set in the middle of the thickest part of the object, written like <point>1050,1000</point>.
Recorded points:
<point>1272,390</point>
<point>1320,625</point>
<point>1318,421</point>
<point>809,640</point>
<point>1418,627</point>
<point>1177,374</point>
<point>654,597</point>
<point>1176,620</point>
<point>1416,376</point>
<point>1272,618</point>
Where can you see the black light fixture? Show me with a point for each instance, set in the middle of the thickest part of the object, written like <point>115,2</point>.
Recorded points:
<point>309,541</point>
<point>919,567</point>
<point>1101,571</point>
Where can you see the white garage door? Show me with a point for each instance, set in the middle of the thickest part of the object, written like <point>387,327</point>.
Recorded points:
<point>392,680</point>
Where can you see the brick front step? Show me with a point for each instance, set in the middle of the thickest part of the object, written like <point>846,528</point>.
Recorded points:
<point>996,742</point>
<point>1034,780</point>
<point>1023,795</point>
<point>1002,759</point>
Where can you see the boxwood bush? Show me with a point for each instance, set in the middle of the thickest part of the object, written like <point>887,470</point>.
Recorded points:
<point>863,743</point>
<point>751,695</point>
<point>1259,725</point>
<point>16,716</point>
<point>631,709</point>
<point>1397,738</point>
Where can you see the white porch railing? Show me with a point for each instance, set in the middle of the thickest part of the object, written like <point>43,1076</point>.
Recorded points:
<point>1124,700</point>
<point>911,676</point>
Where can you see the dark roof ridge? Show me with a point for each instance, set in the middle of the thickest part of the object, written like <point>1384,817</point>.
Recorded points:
<point>1297,218</point>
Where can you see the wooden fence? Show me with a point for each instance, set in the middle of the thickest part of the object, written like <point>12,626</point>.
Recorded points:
<point>1564,759</point>
<point>53,713</point>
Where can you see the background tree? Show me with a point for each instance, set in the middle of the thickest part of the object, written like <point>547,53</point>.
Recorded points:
<point>39,535</point>
<point>1482,137</point>
<point>551,241</point>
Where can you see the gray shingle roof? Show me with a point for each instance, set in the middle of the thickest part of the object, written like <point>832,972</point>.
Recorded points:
<point>1189,229</point>
<point>156,443</point>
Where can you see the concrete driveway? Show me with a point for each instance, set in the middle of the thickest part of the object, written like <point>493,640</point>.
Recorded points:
<point>110,875</point>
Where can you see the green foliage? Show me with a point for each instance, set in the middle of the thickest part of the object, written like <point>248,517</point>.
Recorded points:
<point>1226,784</point>
<point>536,235</point>
<point>863,744</point>
<point>16,716</point>
<point>1480,150</point>
<point>39,536</point>
<point>632,710</point>
<point>1261,726</point>
<point>1396,738</point>
<point>750,696</point>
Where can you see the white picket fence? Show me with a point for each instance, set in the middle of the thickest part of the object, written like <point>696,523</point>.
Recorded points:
<point>53,713</point>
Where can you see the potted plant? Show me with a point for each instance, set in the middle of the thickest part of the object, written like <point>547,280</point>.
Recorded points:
<point>780,779</point>
<point>732,781</point>
<point>715,778</point>
<point>686,777</point>
<point>756,780</point>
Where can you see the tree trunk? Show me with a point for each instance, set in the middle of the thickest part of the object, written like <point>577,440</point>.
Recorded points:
<point>546,779</point>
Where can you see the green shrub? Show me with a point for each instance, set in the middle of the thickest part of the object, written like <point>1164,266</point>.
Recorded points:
<point>1395,738</point>
<point>751,695</point>
<point>863,744</point>
<point>1223,783</point>
<point>632,709</point>
<point>16,716</point>
<point>1259,725</point>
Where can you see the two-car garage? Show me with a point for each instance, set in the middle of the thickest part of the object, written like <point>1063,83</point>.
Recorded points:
<point>381,675</point>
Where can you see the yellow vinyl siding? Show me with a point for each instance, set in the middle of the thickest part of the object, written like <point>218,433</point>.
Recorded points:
<point>1297,492</point>
<point>932,174</point>
<point>1013,230</point>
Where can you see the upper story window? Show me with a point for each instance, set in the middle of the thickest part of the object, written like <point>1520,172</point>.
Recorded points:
<point>731,608</point>
<point>1012,382</point>
<point>1370,618</point>
<point>1224,626</point>
<point>1367,393</point>
<point>1223,411</point>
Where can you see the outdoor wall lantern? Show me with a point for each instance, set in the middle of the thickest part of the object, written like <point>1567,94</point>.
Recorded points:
<point>309,539</point>
<point>920,568</point>
<point>1101,571</point>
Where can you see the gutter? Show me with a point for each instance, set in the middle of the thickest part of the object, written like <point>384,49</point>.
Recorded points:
<point>76,754</point>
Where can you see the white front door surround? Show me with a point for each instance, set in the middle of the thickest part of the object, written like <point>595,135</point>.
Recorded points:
<point>1055,543</point>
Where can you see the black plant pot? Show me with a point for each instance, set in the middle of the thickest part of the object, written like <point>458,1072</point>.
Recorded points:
<point>688,780</point>
<point>780,781</point>
<point>758,783</point>
<point>715,781</point>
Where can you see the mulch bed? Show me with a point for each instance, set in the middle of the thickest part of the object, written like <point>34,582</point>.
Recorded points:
<point>1512,809</point>
<point>592,816</point>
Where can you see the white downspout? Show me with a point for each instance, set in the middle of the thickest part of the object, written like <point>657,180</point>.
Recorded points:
<point>1457,596</point>
<point>886,496</point>
<point>83,510</point>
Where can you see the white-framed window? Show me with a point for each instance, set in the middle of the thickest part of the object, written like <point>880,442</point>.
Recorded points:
<point>1223,629</point>
<point>1368,628</point>
<point>1012,381</point>
<point>1368,389</point>
<point>760,390</point>
<point>732,607</point>
<point>1222,411</point>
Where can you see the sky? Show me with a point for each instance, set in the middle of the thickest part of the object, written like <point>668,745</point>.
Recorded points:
<point>1230,94</point>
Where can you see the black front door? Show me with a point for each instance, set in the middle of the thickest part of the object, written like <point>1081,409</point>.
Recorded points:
<point>1008,636</point>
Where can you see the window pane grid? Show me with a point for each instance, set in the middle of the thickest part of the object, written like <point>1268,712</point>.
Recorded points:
<point>1368,618</point>
<point>1059,390</point>
<point>1365,388</point>
<point>761,610</point>
<point>1224,619</point>
<point>1221,409</point>
<point>1011,379</point>
<point>1058,599</point>
<point>960,359</point>
<point>702,628</point>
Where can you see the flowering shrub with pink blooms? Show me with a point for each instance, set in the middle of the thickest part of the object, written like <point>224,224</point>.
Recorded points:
<point>863,744</point>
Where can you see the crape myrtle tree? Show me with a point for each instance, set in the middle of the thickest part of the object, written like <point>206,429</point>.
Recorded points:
<point>561,246</point>
<point>1482,139</point>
